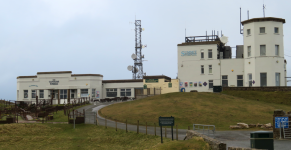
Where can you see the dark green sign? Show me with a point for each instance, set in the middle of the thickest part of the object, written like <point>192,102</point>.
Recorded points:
<point>145,86</point>
<point>166,121</point>
<point>151,80</point>
<point>169,84</point>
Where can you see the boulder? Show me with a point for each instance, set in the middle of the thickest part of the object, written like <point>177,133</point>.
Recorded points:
<point>243,125</point>
<point>268,125</point>
<point>258,125</point>
<point>252,125</point>
<point>235,127</point>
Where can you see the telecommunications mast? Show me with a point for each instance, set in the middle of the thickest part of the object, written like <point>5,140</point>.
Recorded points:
<point>137,69</point>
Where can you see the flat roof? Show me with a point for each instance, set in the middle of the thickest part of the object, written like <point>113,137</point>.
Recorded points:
<point>54,72</point>
<point>263,19</point>
<point>74,75</point>
<point>199,43</point>
<point>122,81</point>
<point>157,77</point>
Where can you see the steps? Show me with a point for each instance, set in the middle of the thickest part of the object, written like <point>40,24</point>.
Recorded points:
<point>287,133</point>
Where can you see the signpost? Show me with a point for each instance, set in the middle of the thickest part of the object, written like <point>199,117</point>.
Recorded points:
<point>278,121</point>
<point>166,121</point>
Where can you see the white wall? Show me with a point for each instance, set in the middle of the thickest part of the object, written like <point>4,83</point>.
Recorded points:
<point>118,86</point>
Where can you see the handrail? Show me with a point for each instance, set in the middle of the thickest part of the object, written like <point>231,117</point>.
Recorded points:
<point>283,125</point>
<point>203,127</point>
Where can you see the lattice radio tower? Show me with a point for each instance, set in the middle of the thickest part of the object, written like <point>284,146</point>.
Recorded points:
<point>137,69</point>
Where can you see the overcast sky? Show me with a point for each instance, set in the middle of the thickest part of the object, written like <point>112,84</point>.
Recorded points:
<point>97,36</point>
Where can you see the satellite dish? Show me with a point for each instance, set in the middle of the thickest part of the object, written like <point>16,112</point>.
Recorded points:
<point>224,39</point>
<point>133,56</point>
<point>129,68</point>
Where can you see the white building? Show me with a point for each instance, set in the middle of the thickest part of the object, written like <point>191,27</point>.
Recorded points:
<point>63,85</point>
<point>204,61</point>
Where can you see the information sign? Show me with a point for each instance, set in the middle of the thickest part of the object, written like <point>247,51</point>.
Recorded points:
<point>169,84</point>
<point>151,80</point>
<point>166,121</point>
<point>145,86</point>
<point>278,120</point>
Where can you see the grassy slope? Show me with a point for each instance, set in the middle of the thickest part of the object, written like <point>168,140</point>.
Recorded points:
<point>277,97</point>
<point>199,108</point>
<point>63,136</point>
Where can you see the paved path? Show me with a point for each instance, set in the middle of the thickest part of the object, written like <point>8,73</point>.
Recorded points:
<point>231,138</point>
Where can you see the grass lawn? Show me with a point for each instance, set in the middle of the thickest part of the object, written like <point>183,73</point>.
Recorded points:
<point>277,97</point>
<point>63,136</point>
<point>60,117</point>
<point>188,108</point>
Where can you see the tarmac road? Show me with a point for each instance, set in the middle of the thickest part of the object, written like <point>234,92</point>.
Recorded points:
<point>231,138</point>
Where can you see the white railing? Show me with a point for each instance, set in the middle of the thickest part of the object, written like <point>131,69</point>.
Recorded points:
<point>202,125</point>
<point>283,125</point>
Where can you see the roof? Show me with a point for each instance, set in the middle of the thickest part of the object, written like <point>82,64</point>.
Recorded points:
<point>74,75</point>
<point>122,81</point>
<point>26,77</point>
<point>54,72</point>
<point>199,43</point>
<point>157,77</point>
<point>263,19</point>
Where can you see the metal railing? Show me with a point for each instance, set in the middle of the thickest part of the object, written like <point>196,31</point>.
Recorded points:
<point>202,125</point>
<point>283,125</point>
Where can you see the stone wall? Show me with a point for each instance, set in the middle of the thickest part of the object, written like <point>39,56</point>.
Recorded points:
<point>213,143</point>
<point>279,113</point>
<point>269,88</point>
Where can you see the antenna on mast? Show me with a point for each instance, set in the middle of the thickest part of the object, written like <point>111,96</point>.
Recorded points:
<point>239,22</point>
<point>264,7</point>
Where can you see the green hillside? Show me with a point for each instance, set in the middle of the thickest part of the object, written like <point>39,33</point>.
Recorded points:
<point>216,109</point>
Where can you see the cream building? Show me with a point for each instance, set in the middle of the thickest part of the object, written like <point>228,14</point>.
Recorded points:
<point>204,61</point>
<point>64,86</point>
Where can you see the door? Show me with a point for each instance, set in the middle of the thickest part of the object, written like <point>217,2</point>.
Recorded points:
<point>263,77</point>
<point>277,76</point>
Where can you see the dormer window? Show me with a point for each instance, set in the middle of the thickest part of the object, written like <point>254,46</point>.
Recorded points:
<point>262,30</point>
<point>276,30</point>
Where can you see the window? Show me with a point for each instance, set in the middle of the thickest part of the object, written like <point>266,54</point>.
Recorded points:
<point>125,92</point>
<point>262,29</point>
<point>84,92</point>
<point>262,50</point>
<point>202,54</point>
<point>224,81</point>
<point>32,93</point>
<point>63,94</point>
<point>209,53</point>
<point>250,80</point>
<point>249,51</point>
<point>277,50</point>
<point>111,92</point>
<point>72,93</point>
<point>202,69</point>
<point>276,30</point>
<point>277,75</point>
<point>93,92</point>
<point>41,93</point>
<point>210,84</point>
<point>240,80</point>
<point>210,68</point>
<point>249,31</point>
<point>17,94</point>
<point>25,93</point>
<point>263,77</point>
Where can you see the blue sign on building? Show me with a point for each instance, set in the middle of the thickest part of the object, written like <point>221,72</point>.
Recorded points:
<point>182,89</point>
<point>278,120</point>
<point>188,53</point>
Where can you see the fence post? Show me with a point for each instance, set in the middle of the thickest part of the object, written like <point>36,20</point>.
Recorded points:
<point>177,132</point>
<point>96,119</point>
<point>105,123</point>
<point>155,130</point>
<point>126,125</point>
<point>146,128</point>
<point>137,126</point>
<point>115,126</point>
<point>165,132</point>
